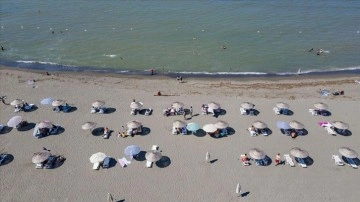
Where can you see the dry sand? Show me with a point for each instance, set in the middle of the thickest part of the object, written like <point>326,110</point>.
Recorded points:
<point>188,177</point>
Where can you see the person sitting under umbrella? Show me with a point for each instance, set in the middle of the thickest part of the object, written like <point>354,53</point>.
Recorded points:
<point>245,158</point>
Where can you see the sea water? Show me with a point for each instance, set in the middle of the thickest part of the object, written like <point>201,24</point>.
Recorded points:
<point>199,37</point>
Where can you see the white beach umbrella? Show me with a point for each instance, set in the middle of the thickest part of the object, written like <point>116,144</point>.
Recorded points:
<point>88,125</point>
<point>340,125</point>
<point>299,153</point>
<point>282,105</point>
<point>98,103</point>
<point>209,128</point>
<point>259,125</point>
<point>17,102</point>
<point>221,124</point>
<point>14,121</point>
<point>177,105</point>
<point>132,150</point>
<point>320,105</point>
<point>347,152</point>
<point>153,155</point>
<point>179,124</point>
<point>133,124</point>
<point>41,156</point>
<point>45,124</point>
<point>238,188</point>
<point>296,125</point>
<point>47,101</point>
<point>247,105</point>
<point>214,106</point>
<point>256,153</point>
<point>193,127</point>
<point>97,157</point>
<point>57,103</point>
<point>207,157</point>
<point>136,105</point>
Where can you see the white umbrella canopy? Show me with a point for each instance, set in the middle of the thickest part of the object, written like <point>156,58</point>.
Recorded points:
<point>41,156</point>
<point>179,124</point>
<point>299,153</point>
<point>296,125</point>
<point>57,103</point>
<point>259,125</point>
<point>14,121</point>
<point>177,105</point>
<point>132,150</point>
<point>340,125</point>
<point>133,124</point>
<point>247,105</point>
<point>46,101</point>
<point>136,105</point>
<point>97,157</point>
<point>214,106</point>
<point>256,153</point>
<point>45,124</point>
<point>153,155</point>
<point>347,152</point>
<point>221,124</point>
<point>98,103</point>
<point>282,105</point>
<point>17,102</point>
<point>320,105</point>
<point>88,125</point>
<point>209,128</point>
<point>193,127</point>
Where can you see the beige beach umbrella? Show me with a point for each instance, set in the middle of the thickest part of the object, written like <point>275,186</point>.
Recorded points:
<point>179,124</point>
<point>299,153</point>
<point>320,105</point>
<point>347,152</point>
<point>221,124</point>
<point>153,155</point>
<point>136,105</point>
<point>238,188</point>
<point>256,153</point>
<point>296,125</point>
<point>177,105</point>
<point>247,105</point>
<point>259,125</point>
<point>340,125</point>
<point>214,106</point>
<point>14,121</point>
<point>98,103</point>
<point>209,128</point>
<point>97,157</point>
<point>17,102</point>
<point>45,124</point>
<point>282,105</point>
<point>133,124</point>
<point>41,156</point>
<point>88,125</point>
<point>57,103</point>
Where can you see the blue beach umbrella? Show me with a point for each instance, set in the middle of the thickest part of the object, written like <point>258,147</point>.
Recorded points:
<point>132,150</point>
<point>282,125</point>
<point>193,127</point>
<point>47,101</point>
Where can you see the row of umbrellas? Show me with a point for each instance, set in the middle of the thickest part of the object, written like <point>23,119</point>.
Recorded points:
<point>209,128</point>
<point>298,125</point>
<point>91,125</point>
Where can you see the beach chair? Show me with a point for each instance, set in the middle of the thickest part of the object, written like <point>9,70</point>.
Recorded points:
<point>276,110</point>
<point>289,160</point>
<point>133,112</point>
<point>330,131</point>
<point>252,133</point>
<point>301,162</point>
<point>245,163</point>
<point>314,112</point>
<point>351,162</point>
<point>148,112</point>
<point>93,110</point>
<point>39,166</point>
<point>338,161</point>
<point>243,111</point>
<point>96,166</point>
<point>102,110</point>
<point>124,162</point>
<point>17,109</point>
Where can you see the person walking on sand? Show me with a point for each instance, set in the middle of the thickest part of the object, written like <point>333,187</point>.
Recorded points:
<point>278,159</point>
<point>184,115</point>
<point>191,112</point>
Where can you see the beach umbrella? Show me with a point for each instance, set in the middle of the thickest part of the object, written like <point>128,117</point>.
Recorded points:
<point>45,124</point>
<point>214,106</point>
<point>46,101</point>
<point>14,121</point>
<point>296,125</point>
<point>221,124</point>
<point>347,152</point>
<point>207,157</point>
<point>340,125</point>
<point>88,125</point>
<point>132,150</point>
<point>259,125</point>
<point>153,155</point>
<point>179,124</point>
<point>209,128</point>
<point>136,105</point>
<point>98,103</point>
<point>97,157</point>
<point>256,153</point>
<point>299,153</point>
<point>57,103</point>
<point>238,188</point>
<point>247,105</point>
<point>320,106</point>
<point>193,127</point>
<point>282,105</point>
<point>177,105</point>
<point>282,125</point>
<point>133,124</point>
<point>41,156</point>
<point>17,102</point>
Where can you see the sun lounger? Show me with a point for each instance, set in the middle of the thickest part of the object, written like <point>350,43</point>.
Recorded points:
<point>243,111</point>
<point>289,160</point>
<point>252,133</point>
<point>39,166</point>
<point>154,147</point>
<point>301,162</point>
<point>351,162</point>
<point>148,112</point>
<point>338,161</point>
<point>330,131</point>
<point>314,112</point>
<point>124,162</point>
<point>133,112</point>
<point>96,166</point>
<point>276,110</point>
<point>245,163</point>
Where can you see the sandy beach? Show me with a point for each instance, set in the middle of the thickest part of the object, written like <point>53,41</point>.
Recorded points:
<point>187,176</point>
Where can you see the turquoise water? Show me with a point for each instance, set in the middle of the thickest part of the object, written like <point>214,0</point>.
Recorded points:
<point>182,36</point>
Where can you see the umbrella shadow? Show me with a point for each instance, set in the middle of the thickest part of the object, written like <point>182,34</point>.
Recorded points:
<point>288,113</point>
<point>200,133</point>
<point>213,161</point>
<point>98,131</point>
<point>140,156</point>
<point>304,132</point>
<point>58,163</point>
<point>112,162</point>
<point>230,131</point>
<point>6,130</point>
<point>268,131</point>
<point>355,160</point>
<point>71,110</point>
<point>33,108</point>
<point>245,194</point>
<point>255,112</point>
<point>109,110</point>
<point>9,158</point>
<point>27,127</point>
<point>164,162</point>
<point>60,130</point>
<point>308,160</point>
<point>325,113</point>
<point>344,133</point>
<point>266,161</point>
<point>145,131</point>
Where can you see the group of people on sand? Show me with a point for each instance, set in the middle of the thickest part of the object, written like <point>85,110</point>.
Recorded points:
<point>246,160</point>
